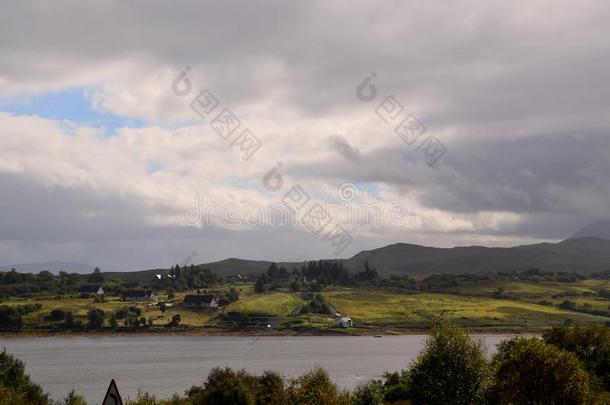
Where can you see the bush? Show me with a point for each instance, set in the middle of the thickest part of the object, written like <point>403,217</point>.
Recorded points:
<point>223,386</point>
<point>73,399</point>
<point>10,318</point>
<point>270,389</point>
<point>17,384</point>
<point>315,388</point>
<point>57,315</point>
<point>369,393</point>
<point>96,318</point>
<point>396,393</point>
<point>591,344</point>
<point>451,369</point>
<point>529,371</point>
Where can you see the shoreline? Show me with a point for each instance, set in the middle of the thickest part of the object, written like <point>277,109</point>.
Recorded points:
<point>253,334</point>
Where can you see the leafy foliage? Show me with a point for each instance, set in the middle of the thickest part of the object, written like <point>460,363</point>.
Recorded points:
<point>16,384</point>
<point>591,344</point>
<point>452,368</point>
<point>529,371</point>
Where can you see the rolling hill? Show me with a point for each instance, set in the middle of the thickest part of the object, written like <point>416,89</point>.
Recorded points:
<point>598,229</point>
<point>582,255</point>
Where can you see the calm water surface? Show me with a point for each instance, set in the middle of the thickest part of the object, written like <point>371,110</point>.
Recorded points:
<point>164,365</point>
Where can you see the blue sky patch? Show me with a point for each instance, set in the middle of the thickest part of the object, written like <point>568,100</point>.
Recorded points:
<point>70,104</point>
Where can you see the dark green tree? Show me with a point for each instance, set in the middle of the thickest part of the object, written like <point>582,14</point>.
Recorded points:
<point>16,384</point>
<point>532,372</point>
<point>591,344</point>
<point>452,369</point>
<point>95,318</point>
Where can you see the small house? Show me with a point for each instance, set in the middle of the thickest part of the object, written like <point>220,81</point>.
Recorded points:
<point>344,322</point>
<point>200,301</point>
<point>238,279</point>
<point>91,289</point>
<point>139,295</point>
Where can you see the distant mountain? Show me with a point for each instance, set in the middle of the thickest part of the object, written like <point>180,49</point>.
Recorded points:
<point>599,229</point>
<point>586,252</point>
<point>581,255</point>
<point>54,267</point>
<point>223,268</point>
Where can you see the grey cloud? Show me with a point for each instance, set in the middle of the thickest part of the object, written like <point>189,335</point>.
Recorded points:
<point>340,145</point>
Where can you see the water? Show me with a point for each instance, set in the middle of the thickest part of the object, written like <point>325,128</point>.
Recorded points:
<point>163,365</point>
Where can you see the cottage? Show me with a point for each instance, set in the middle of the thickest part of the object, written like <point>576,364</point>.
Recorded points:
<point>238,279</point>
<point>344,322</point>
<point>139,295</point>
<point>200,301</point>
<point>91,289</point>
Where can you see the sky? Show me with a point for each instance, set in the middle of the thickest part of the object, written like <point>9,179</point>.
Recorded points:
<point>136,133</point>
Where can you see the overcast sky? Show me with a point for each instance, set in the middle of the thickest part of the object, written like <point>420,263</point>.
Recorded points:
<point>104,161</point>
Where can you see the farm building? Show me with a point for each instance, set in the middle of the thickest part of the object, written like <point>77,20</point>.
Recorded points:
<point>344,322</point>
<point>91,289</point>
<point>200,301</point>
<point>238,279</point>
<point>139,295</point>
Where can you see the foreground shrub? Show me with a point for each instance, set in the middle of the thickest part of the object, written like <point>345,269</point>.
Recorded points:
<point>396,386</point>
<point>270,389</point>
<point>370,393</point>
<point>591,344</point>
<point>16,385</point>
<point>73,399</point>
<point>224,386</point>
<point>315,388</point>
<point>529,371</point>
<point>452,369</point>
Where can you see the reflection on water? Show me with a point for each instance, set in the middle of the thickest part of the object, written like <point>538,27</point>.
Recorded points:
<point>163,365</point>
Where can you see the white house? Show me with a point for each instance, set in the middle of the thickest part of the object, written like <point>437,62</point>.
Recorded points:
<point>344,322</point>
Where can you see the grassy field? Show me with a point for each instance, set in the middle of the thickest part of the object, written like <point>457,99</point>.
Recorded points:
<point>529,306</point>
<point>370,307</point>
<point>276,304</point>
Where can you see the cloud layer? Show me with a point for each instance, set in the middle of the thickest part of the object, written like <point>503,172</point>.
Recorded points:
<point>518,95</point>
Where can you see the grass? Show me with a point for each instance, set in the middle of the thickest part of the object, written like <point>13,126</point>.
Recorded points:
<point>382,308</point>
<point>370,308</point>
<point>275,303</point>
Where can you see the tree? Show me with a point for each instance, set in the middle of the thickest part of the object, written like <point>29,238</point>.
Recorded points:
<point>16,384</point>
<point>96,318</point>
<point>259,287</point>
<point>591,344</point>
<point>162,308</point>
<point>57,315</point>
<point>270,389</point>
<point>96,276</point>
<point>175,322</point>
<point>69,319</point>
<point>73,399</point>
<point>223,386</point>
<point>10,318</point>
<point>567,304</point>
<point>529,371</point>
<point>369,393</point>
<point>114,321</point>
<point>315,388</point>
<point>452,368</point>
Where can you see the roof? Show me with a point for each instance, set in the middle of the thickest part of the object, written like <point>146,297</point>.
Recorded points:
<point>135,293</point>
<point>89,288</point>
<point>199,299</point>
